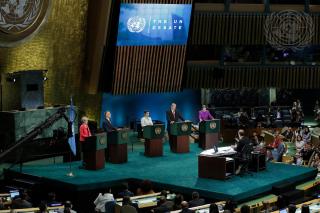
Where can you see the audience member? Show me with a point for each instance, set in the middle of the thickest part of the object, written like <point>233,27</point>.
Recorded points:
<point>43,208</point>
<point>230,206</point>
<point>161,207</point>
<point>128,206</point>
<point>299,144</point>
<point>306,135</point>
<point>305,209</point>
<point>145,188</point>
<point>67,208</point>
<point>213,208</point>
<point>266,207</point>
<point>185,207</point>
<point>316,161</point>
<point>102,199</point>
<point>306,152</point>
<point>196,200</point>
<point>177,202</point>
<point>125,191</point>
<point>288,134</point>
<point>245,209</point>
<point>20,202</point>
<point>281,203</point>
<point>292,208</point>
<point>168,203</point>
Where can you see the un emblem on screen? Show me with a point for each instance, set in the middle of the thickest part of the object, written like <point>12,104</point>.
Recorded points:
<point>20,18</point>
<point>136,24</point>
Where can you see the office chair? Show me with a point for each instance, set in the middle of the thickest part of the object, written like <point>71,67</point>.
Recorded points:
<point>244,159</point>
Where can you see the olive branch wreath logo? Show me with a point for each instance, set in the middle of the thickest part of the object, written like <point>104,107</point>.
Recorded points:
<point>29,19</point>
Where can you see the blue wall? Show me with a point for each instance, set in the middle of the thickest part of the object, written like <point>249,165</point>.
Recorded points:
<point>126,108</point>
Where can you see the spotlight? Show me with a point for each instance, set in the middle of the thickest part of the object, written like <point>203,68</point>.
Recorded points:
<point>45,78</point>
<point>292,63</point>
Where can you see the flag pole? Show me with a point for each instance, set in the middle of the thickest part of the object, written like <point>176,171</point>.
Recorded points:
<point>70,173</point>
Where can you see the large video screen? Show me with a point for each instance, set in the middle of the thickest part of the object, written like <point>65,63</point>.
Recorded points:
<point>153,24</point>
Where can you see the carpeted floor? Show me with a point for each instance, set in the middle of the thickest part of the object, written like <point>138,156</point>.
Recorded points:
<point>174,171</point>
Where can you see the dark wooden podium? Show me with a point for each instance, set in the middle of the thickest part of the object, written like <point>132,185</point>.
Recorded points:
<point>179,137</point>
<point>117,146</point>
<point>209,133</point>
<point>153,136</point>
<point>93,149</point>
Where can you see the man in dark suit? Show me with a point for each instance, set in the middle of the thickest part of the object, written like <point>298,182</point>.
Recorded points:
<point>196,200</point>
<point>173,115</point>
<point>106,125</point>
<point>243,141</point>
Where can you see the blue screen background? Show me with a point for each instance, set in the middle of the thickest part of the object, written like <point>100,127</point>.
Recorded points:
<point>126,108</point>
<point>153,24</point>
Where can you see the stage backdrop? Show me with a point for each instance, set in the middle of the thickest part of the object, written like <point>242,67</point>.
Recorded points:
<point>126,108</point>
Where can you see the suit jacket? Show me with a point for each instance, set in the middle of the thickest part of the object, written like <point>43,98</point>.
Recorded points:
<point>173,117</point>
<point>197,202</point>
<point>107,126</point>
<point>242,142</point>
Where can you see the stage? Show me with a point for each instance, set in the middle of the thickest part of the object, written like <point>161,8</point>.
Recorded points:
<point>177,172</point>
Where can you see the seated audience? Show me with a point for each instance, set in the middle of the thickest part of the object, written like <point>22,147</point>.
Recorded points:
<point>67,208</point>
<point>161,206</point>
<point>278,152</point>
<point>102,199</point>
<point>213,208</point>
<point>168,203</point>
<point>185,207</point>
<point>245,209</point>
<point>305,209</point>
<point>266,207</point>
<point>128,206</point>
<point>196,200</point>
<point>306,152</point>
<point>177,202</point>
<point>229,206</point>
<point>292,208</point>
<point>52,199</point>
<point>288,134</point>
<point>20,202</point>
<point>43,208</point>
<point>299,144</point>
<point>255,139</point>
<point>280,204</point>
<point>145,188</point>
<point>306,135</point>
<point>316,161</point>
<point>125,191</point>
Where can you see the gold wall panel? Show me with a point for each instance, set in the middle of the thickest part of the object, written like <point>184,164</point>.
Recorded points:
<point>60,48</point>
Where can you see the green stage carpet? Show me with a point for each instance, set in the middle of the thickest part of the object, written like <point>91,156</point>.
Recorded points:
<point>174,171</point>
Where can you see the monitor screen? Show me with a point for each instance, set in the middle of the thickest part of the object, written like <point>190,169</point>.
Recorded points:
<point>14,193</point>
<point>153,24</point>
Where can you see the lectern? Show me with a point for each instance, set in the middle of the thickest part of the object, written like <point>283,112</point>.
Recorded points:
<point>93,149</point>
<point>153,136</point>
<point>209,133</point>
<point>117,146</point>
<point>179,136</point>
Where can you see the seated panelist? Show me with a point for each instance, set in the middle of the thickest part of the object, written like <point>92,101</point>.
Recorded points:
<point>204,114</point>
<point>146,119</point>
<point>107,125</point>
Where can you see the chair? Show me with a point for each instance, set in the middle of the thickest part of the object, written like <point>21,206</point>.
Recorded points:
<point>245,158</point>
<point>110,206</point>
<point>128,209</point>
